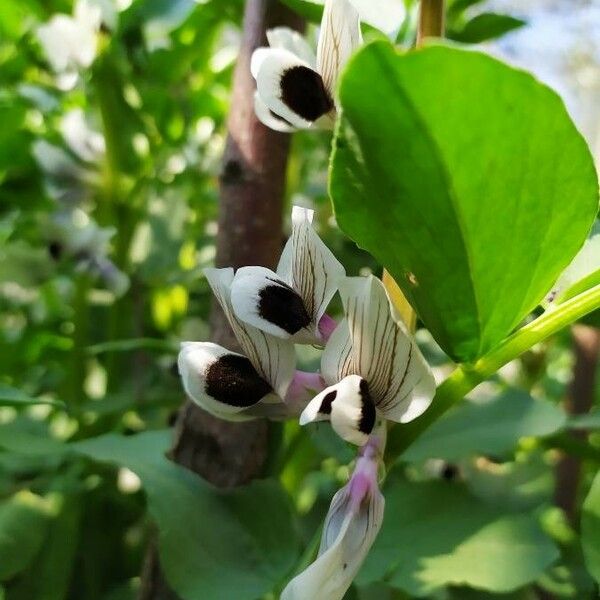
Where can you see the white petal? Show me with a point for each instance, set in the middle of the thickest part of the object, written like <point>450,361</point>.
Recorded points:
<point>54,38</point>
<point>400,380</point>
<point>308,266</point>
<point>337,360</point>
<point>88,15</point>
<point>86,143</point>
<point>269,118</point>
<point>288,39</point>
<point>258,57</point>
<point>348,534</point>
<point>55,161</point>
<point>349,407</point>
<point>291,88</point>
<point>222,382</point>
<point>340,36</point>
<point>273,358</point>
<point>261,299</point>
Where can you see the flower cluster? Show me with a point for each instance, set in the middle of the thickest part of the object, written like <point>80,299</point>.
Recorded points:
<point>371,371</point>
<point>295,88</point>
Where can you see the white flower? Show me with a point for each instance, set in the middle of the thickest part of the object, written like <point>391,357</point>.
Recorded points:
<point>351,526</point>
<point>373,367</point>
<point>86,143</point>
<point>291,303</point>
<point>295,89</point>
<point>72,233</point>
<point>585,264</point>
<point>70,43</point>
<point>237,386</point>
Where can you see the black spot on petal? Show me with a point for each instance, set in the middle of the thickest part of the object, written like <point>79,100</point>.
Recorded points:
<point>281,305</point>
<point>55,249</point>
<point>233,380</point>
<point>304,92</point>
<point>450,472</point>
<point>367,420</point>
<point>325,408</point>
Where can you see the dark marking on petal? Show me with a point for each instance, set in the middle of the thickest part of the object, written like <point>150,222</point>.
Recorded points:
<point>304,92</point>
<point>367,420</point>
<point>450,472</point>
<point>325,408</point>
<point>233,380</point>
<point>55,249</point>
<point>281,305</point>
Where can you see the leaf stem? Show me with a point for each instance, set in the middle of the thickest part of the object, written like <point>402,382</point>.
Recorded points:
<point>466,377</point>
<point>431,20</point>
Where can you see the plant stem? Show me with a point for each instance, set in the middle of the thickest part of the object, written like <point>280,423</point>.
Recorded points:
<point>431,20</point>
<point>467,377</point>
<point>579,400</point>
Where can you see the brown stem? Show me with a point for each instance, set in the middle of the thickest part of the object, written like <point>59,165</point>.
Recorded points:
<point>431,20</point>
<point>580,398</point>
<point>250,233</point>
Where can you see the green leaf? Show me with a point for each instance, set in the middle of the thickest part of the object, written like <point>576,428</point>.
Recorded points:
<point>434,534</point>
<point>459,6</point>
<point>590,526</point>
<point>30,438</point>
<point>442,169</point>
<point>493,427</point>
<point>309,9</point>
<point>23,527</point>
<point>49,575</point>
<point>10,396</point>
<point>589,421</point>
<point>212,544</point>
<point>486,26</point>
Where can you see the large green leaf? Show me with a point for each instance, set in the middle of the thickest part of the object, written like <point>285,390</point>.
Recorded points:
<point>590,529</point>
<point>492,427</point>
<point>212,544</point>
<point>467,180</point>
<point>435,534</point>
<point>10,396</point>
<point>23,527</point>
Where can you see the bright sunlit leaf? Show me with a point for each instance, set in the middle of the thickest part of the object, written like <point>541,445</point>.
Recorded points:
<point>449,167</point>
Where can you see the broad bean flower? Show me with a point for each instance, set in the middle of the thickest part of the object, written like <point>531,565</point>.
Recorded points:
<point>70,42</point>
<point>351,526</point>
<point>237,386</point>
<point>295,89</point>
<point>291,303</point>
<point>373,367</point>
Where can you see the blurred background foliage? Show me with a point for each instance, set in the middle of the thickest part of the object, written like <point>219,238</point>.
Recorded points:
<point>109,169</point>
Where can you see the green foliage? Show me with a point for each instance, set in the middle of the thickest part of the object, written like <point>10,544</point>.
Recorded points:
<point>437,532</point>
<point>451,168</point>
<point>486,26</point>
<point>212,544</point>
<point>590,526</point>
<point>23,526</point>
<point>493,427</point>
<point>10,396</point>
<point>424,176</point>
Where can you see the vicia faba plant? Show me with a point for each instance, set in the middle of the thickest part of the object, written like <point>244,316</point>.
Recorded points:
<point>392,406</point>
<point>467,180</point>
